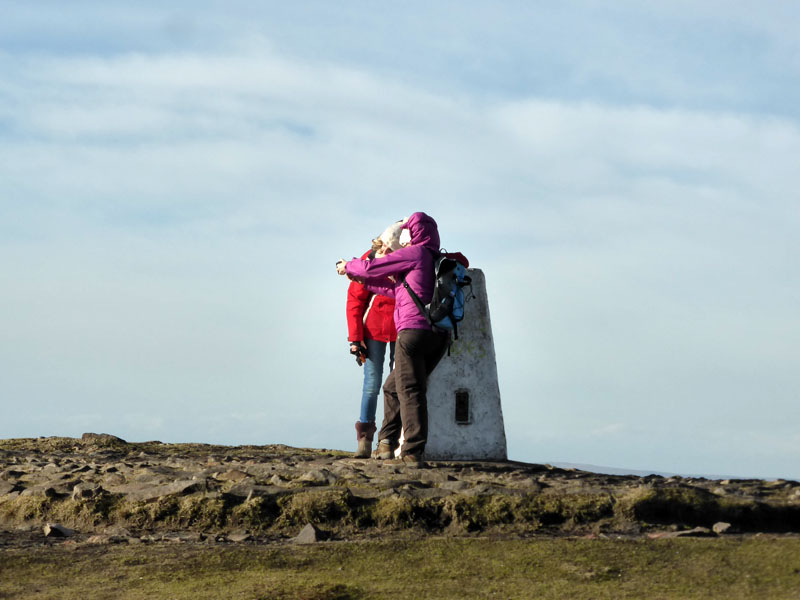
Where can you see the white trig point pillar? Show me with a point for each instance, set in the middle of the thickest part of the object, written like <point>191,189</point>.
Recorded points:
<point>465,419</point>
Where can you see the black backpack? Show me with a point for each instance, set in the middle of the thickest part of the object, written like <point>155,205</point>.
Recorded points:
<point>446,308</point>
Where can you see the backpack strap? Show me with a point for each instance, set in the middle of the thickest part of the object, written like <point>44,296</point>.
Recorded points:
<point>417,301</point>
<point>413,294</point>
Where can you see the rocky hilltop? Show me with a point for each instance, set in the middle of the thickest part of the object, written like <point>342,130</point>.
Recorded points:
<point>102,488</point>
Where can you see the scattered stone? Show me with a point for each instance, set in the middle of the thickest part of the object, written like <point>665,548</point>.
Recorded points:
<point>233,475</point>
<point>102,439</point>
<point>248,490</point>
<point>239,537</point>
<point>176,488</point>
<point>55,530</point>
<point>183,537</point>
<point>309,535</point>
<point>455,486</point>
<point>317,477</point>
<point>208,488</point>
<point>114,479</point>
<point>428,493</point>
<point>85,491</point>
<point>721,527</point>
<point>40,490</point>
<point>696,532</point>
<point>99,539</point>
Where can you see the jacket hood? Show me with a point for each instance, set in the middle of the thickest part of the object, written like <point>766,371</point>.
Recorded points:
<point>423,231</point>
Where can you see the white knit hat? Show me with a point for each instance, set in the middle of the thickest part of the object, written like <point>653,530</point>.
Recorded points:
<point>391,237</point>
<point>405,237</point>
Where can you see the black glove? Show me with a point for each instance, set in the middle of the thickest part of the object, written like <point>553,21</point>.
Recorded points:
<point>359,351</point>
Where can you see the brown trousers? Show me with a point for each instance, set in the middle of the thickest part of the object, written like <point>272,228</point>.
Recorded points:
<point>405,404</point>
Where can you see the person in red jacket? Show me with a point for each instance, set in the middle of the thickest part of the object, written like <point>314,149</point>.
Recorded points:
<point>370,327</point>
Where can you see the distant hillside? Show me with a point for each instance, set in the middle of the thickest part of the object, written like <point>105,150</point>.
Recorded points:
<point>622,471</point>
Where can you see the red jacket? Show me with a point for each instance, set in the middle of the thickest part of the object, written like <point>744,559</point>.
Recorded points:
<point>369,316</point>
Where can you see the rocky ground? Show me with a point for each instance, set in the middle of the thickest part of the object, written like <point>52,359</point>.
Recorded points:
<point>100,489</point>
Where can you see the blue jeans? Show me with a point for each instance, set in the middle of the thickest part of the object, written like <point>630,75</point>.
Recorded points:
<point>373,377</point>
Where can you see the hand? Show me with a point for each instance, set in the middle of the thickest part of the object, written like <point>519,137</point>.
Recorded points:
<point>340,267</point>
<point>359,350</point>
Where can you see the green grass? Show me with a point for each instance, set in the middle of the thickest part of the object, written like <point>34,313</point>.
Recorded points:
<point>755,567</point>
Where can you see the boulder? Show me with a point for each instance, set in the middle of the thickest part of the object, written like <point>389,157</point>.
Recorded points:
<point>310,534</point>
<point>56,530</point>
<point>721,527</point>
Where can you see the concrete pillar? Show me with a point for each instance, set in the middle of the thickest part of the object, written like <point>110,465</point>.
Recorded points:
<point>465,419</point>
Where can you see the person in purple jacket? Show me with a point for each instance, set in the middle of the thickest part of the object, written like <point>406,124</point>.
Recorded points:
<point>419,347</point>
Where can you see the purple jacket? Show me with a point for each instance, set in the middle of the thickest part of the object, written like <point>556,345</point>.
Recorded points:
<point>415,262</point>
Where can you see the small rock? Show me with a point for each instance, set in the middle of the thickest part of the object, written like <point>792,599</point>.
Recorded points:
<point>233,475</point>
<point>317,477</point>
<point>84,490</point>
<point>721,527</point>
<point>99,539</point>
<point>6,487</point>
<point>308,535</point>
<point>240,537</point>
<point>55,530</point>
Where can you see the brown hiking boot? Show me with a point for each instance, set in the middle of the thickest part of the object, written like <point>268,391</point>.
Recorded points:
<point>384,451</point>
<point>408,460</point>
<point>364,434</point>
<point>364,448</point>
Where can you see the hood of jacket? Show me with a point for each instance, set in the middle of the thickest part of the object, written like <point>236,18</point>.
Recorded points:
<point>423,231</point>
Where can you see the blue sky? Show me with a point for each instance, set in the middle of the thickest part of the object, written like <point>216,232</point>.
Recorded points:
<point>177,180</point>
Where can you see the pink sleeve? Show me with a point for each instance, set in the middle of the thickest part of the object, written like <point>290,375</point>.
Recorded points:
<point>383,290</point>
<point>396,263</point>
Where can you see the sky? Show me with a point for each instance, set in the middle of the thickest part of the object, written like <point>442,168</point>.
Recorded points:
<point>177,180</point>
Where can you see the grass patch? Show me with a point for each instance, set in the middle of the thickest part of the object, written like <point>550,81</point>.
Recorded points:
<point>442,568</point>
